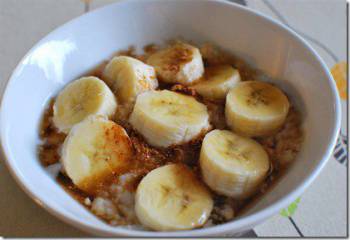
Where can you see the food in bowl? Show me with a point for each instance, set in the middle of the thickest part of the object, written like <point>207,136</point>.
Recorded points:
<point>177,138</point>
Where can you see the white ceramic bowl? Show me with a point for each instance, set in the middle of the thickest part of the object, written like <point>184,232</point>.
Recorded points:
<point>84,42</point>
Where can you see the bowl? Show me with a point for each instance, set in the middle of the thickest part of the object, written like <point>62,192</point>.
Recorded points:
<point>84,42</point>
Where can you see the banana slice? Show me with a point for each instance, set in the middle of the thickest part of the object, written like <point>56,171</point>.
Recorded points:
<point>94,150</point>
<point>168,118</point>
<point>232,165</point>
<point>255,108</point>
<point>81,98</point>
<point>179,63</point>
<point>217,81</point>
<point>129,77</point>
<point>172,198</point>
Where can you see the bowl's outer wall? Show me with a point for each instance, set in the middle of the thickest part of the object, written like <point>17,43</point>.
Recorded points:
<point>71,50</point>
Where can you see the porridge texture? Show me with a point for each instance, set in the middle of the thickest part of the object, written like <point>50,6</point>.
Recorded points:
<point>114,199</point>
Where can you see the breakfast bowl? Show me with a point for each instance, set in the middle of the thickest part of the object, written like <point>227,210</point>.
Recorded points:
<point>78,46</point>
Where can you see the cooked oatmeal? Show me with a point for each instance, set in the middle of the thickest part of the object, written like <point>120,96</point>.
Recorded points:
<point>114,201</point>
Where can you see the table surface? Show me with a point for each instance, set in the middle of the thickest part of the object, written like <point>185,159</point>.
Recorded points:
<point>320,211</point>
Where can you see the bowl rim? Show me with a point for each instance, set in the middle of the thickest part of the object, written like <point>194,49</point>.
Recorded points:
<point>237,224</point>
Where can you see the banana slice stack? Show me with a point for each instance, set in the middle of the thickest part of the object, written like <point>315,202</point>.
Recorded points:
<point>166,118</point>
<point>129,77</point>
<point>172,198</point>
<point>179,63</point>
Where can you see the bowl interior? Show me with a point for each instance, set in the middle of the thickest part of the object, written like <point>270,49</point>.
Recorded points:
<point>76,47</point>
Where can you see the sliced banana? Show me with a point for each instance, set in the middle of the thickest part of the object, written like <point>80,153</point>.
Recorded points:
<point>81,98</point>
<point>94,150</point>
<point>217,81</point>
<point>129,77</point>
<point>166,118</point>
<point>179,63</point>
<point>255,108</point>
<point>172,198</point>
<point>232,165</point>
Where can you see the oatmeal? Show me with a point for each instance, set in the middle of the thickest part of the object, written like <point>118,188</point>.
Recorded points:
<point>117,201</point>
